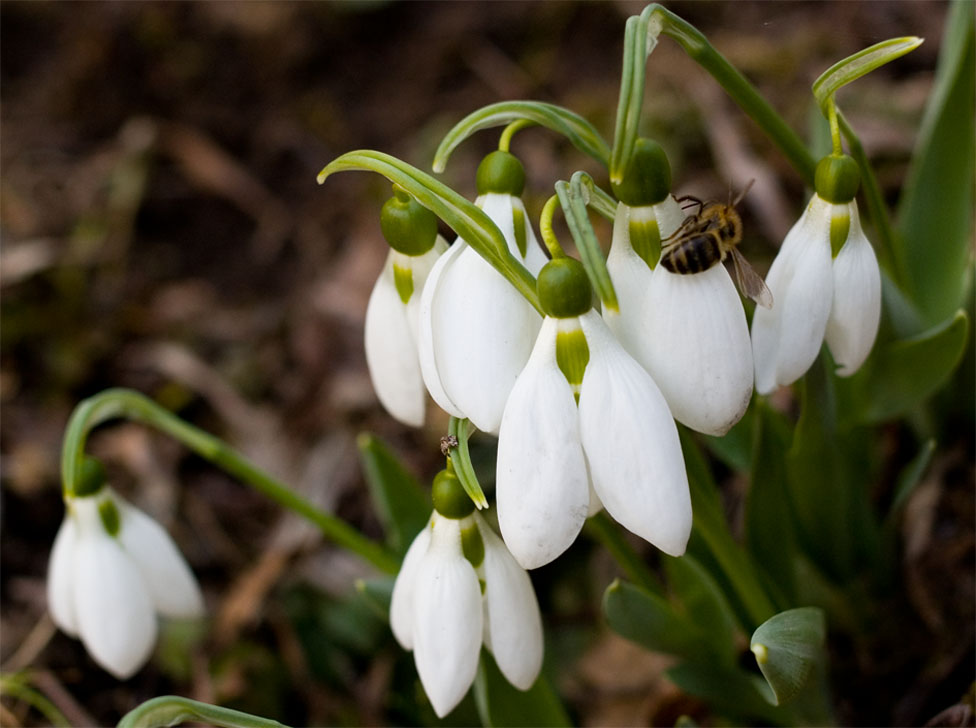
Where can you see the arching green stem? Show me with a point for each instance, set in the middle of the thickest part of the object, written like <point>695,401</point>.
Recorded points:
<point>549,238</point>
<point>505,141</point>
<point>169,710</point>
<point>128,404</point>
<point>640,39</point>
<point>581,133</point>
<point>461,458</point>
<point>574,197</point>
<point>462,216</point>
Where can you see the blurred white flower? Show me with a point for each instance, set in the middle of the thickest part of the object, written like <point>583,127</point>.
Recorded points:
<point>440,611</point>
<point>392,322</point>
<point>476,329</point>
<point>620,437</point>
<point>688,331</point>
<point>112,569</point>
<point>817,297</point>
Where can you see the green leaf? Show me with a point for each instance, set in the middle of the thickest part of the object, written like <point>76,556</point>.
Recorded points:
<point>377,595</point>
<point>704,604</point>
<point>460,429</point>
<point>900,375</point>
<point>861,63</point>
<point>787,647</point>
<point>911,476</point>
<point>170,710</point>
<point>732,692</point>
<point>573,198</point>
<point>461,215</point>
<point>574,127</point>
<point>402,505</point>
<point>734,448</point>
<point>500,704</point>
<point>769,524</point>
<point>652,622</point>
<point>935,213</point>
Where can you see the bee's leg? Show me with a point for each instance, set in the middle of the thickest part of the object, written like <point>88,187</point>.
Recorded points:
<point>693,200</point>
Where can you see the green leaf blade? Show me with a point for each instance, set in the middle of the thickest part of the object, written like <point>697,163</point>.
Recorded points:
<point>501,705</point>
<point>860,64</point>
<point>788,647</point>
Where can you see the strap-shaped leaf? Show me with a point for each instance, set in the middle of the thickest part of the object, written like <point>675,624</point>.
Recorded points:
<point>581,133</point>
<point>461,215</point>
<point>170,710</point>
<point>859,64</point>
<point>500,704</point>
<point>461,457</point>
<point>787,647</point>
<point>401,504</point>
<point>705,604</point>
<point>574,197</point>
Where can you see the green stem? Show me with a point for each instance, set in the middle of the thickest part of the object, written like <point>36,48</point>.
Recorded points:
<point>128,404</point>
<point>545,228</point>
<point>729,78</point>
<point>505,141</point>
<point>605,531</point>
<point>15,686</point>
<point>461,429</point>
<point>888,251</point>
<point>834,126</point>
<point>169,710</point>
<point>574,197</point>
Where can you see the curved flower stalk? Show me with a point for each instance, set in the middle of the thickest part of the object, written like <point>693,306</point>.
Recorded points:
<point>476,329</point>
<point>459,587</point>
<point>826,284</point>
<point>112,570</point>
<point>582,413</point>
<point>688,331</point>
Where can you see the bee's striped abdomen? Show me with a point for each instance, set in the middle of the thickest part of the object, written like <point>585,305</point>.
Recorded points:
<point>695,254</point>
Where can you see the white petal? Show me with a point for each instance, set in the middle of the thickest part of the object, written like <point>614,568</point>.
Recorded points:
<point>631,276</point>
<point>60,577</point>
<point>541,486</point>
<point>632,444</point>
<point>694,342</point>
<point>499,207</point>
<point>172,586</point>
<point>448,619</point>
<point>856,310</point>
<point>787,337</point>
<point>116,619</point>
<point>421,266</point>
<point>391,351</point>
<point>402,603</point>
<point>431,333</point>
<point>513,626</point>
<point>483,331</point>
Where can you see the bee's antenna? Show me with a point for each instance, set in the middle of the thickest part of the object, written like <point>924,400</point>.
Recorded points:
<point>741,194</point>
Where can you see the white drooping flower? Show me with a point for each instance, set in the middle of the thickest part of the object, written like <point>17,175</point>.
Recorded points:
<point>392,323</point>
<point>817,297</point>
<point>689,331</point>
<point>112,570</point>
<point>440,611</point>
<point>618,436</point>
<point>476,329</point>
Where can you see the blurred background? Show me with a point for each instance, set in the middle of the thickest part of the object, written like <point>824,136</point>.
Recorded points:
<point>162,230</point>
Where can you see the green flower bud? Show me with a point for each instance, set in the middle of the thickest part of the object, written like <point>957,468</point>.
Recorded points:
<point>449,497</point>
<point>564,289</point>
<point>837,178</point>
<point>647,177</point>
<point>91,477</point>
<point>501,172</point>
<point>409,227</point>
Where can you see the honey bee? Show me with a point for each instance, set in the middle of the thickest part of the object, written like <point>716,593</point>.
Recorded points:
<point>709,236</point>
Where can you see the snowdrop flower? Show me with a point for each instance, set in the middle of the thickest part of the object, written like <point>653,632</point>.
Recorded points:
<point>459,587</point>
<point>476,329</point>
<point>112,569</point>
<point>393,313</point>
<point>826,284</point>
<point>584,412</point>
<point>688,331</point>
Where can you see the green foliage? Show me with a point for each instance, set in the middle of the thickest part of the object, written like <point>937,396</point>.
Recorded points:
<point>787,647</point>
<point>500,705</point>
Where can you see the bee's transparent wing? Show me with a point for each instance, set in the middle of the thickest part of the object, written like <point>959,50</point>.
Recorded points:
<point>749,282</point>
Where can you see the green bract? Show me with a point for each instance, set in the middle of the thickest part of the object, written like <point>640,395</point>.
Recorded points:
<point>450,500</point>
<point>409,227</point>
<point>837,178</point>
<point>564,289</point>
<point>647,176</point>
<point>501,172</point>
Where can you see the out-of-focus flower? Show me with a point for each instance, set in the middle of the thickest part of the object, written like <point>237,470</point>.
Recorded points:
<point>583,411</point>
<point>459,587</point>
<point>112,570</point>
<point>476,329</point>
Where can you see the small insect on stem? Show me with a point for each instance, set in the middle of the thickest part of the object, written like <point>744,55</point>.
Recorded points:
<point>448,443</point>
<point>709,236</point>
